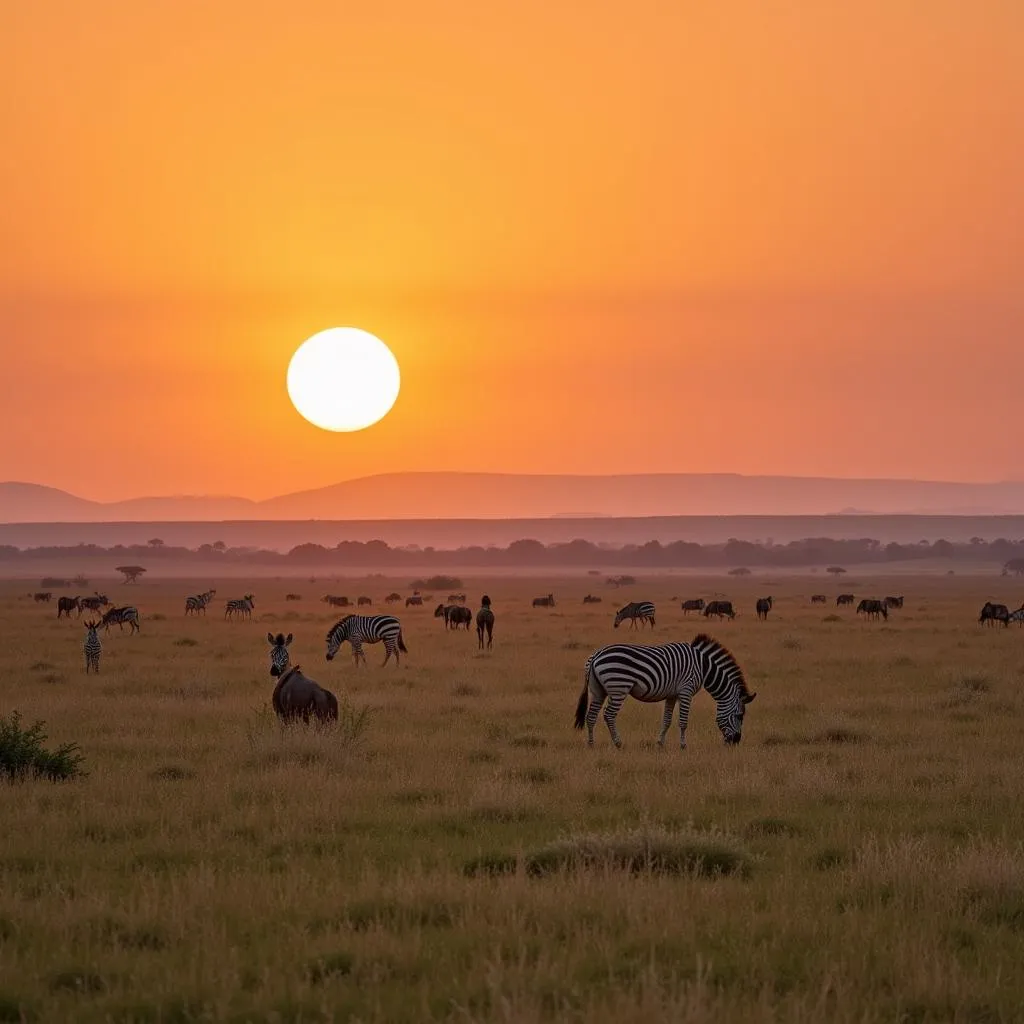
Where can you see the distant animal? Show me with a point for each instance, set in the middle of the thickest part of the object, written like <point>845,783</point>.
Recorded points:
<point>484,622</point>
<point>642,610</point>
<point>695,604</point>
<point>1017,616</point>
<point>591,599</point>
<point>366,629</point>
<point>336,602</point>
<point>119,616</point>
<point>93,647</point>
<point>278,652</point>
<point>93,604</point>
<point>441,612</point>
<point>362,601</point>
<point>722,609</point>
<point>43,595</point>
<point>544,602</point>
<point>764,606</point>
<point>65,606</point>
<point>293,597</point>
<point>458,615</point>
<point>242,606</point>
<point>872,608</point>
<point>819,599</point>
<point>392,598</point>
<point>844,599</point>
<point>894,602</point>
<point>992,613</point>
<point>672,673</point>
<point>196,603</point>
<point>298,697</point>
<point>416,599</point>
<point>456,598</point>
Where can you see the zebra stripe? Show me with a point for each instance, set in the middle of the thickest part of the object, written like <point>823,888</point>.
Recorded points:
<point>93,647</point>
<point>369,629</point>
<point>119,616</point>
<point>278,652</point>
<point>242,606</point>
<point>667,672</point>
<point>197,602</point>
<point>642,610</point>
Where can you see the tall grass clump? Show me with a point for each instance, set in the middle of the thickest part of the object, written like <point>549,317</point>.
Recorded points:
<point>23,756</point>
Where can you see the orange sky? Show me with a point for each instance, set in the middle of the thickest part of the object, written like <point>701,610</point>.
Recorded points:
<point>742,236</point>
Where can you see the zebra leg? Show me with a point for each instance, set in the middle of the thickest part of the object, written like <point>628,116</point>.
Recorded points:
<point>592,712</point>
<point>666,722</point>
<point>611,712</point>
<point>684,717</point>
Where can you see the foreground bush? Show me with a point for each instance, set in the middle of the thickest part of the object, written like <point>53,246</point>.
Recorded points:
<point>23,756</point>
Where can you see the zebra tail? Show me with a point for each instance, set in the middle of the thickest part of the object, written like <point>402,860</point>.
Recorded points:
<point>401,644</point>
<point>581,704</point>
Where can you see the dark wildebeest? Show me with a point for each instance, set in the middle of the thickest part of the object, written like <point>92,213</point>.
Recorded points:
<point>544,602</point>
<point>336,602</point>
<point>363,601</point>
<point>43,595</point>
<point>764,606</point>
<point>93,604</point>
<point>297,696</point>
<point>844,599</point>
<point>872,608</point>
<point>484,622</point>
<point>590,599</point>
<point>279,652</point>
<point>65,605</point>
<point>894,602</point>
<point>719,608</point>
<point>818,598</point>
<point>293,597</point>
<point>642,610</point>
<point>695,604</point>
<point>993,613</point>
<point>392,598</point>
<point>459,616</point>
<point>415,599</point>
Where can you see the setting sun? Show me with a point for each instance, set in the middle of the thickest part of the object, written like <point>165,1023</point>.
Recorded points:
<point>343,379</point>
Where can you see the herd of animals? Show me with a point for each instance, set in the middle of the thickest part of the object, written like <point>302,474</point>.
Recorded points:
<point>672,673</point>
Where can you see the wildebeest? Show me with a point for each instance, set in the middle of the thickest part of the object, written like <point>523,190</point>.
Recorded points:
<point>293,597</point>
<point>484,622</point>
<point>894,602</point>
<point>458,615</point>
<point>279,652</point>
<point>336,602</point>
<point>65,605</point>
<point>296,696</point>
<point>415,599</point>
<point>392,598</point>
<point>873,608</point>
<point>844,599</point>
<point>818,598</point>
<point>719,608</point>
<point>695,604</point>
<point>362,602</point>
<point>764,606</point>
<point>43,595</point>
<point>591,599</point>
<point>93,604</point>
<point>642,610</point>
<point>544,602</point>
<point>992,613</point>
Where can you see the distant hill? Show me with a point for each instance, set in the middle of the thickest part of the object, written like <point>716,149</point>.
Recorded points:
<point>508,496</point>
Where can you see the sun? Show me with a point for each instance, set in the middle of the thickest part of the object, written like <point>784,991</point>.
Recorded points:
<point>343,379</point>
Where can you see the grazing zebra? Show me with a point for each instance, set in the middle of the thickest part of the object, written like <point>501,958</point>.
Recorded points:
<point>242,606</point>
<point>764,606</point>
<point>363,601</point>
<point>894,602</point>
<point>119,616</point>
<point>544,602</point>
<point>65,605</point>
<point>416,599</point>
<point>667,672</point>
<point>695,604</point>
<point>992,613</point>
<point>278,652</point>
<point>719,608</point>
<point>43,595</point>
<point>484,622</point>
<point>92,648</point>
<point>844,599</point>
<point>591,599</point>
<point>197,602</point>
<point>392,598</point>
<point>642,610</point>
<point>819,599</point>
<point>293,597</point>
<point>368,629</point>
<point>872,608</point>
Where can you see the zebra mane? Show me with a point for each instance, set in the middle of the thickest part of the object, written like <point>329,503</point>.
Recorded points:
<point>713,646</point>
<point>341,622</point>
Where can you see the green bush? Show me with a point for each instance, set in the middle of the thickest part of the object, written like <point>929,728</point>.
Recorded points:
<point>23,756</point>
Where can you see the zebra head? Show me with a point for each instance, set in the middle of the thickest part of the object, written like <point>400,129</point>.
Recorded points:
<point>337,636</point>
<point>723,679</point>
<point>278,652</point>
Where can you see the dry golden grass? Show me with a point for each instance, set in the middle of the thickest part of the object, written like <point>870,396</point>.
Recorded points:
<point>466,857</point>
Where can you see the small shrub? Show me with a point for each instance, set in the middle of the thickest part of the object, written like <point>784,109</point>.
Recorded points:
<point>528,741</point>
<point>533,776</point>
<point>84,982</point>
<point>437,583</point>
<point>157,617</point>
<point>39,666</point>
<point>333,965</point>
<point>186,641</point>
<point>491,864</point>
<point>23,756</point>
<point>14,1012</point>
<point>829,858</point>
<point>53,677</point>
<point>466,690</point>
<point>772,827</point>
<point>171,773</point>
<point>839,734</point>
<point>791,643</point>
<point>832,618</point>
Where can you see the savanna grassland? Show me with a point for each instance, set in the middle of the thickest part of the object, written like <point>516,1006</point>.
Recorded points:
<point>459,854</point>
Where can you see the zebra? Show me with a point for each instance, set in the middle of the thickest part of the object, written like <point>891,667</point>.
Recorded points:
<point>92,648</point>
<point>93,604</point>
<point>1017,616</point>
<point>671,673</point>
<point>764,606</point>
<point>544,602</point>
<point>370,629</point>
<point>642,610</point>
<point>197,602</point>
<point>992,613</point>
<point>242,606</point>
<point>484,622</point>
<point>279,652</point>
<point>695,604</point>
<point>844,599</point>
<point>65,605</point>
<point>119,616</point>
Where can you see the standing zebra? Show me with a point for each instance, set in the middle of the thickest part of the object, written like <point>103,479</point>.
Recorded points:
<point>92,648</point>
<point>119,616</point>
<point>484,622</point>
<point>669,672</point>
<point>197,602</point>
<point>642,610</point>
<point>368,629</point>
<point>279,652</point>
<point>242,606</point>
